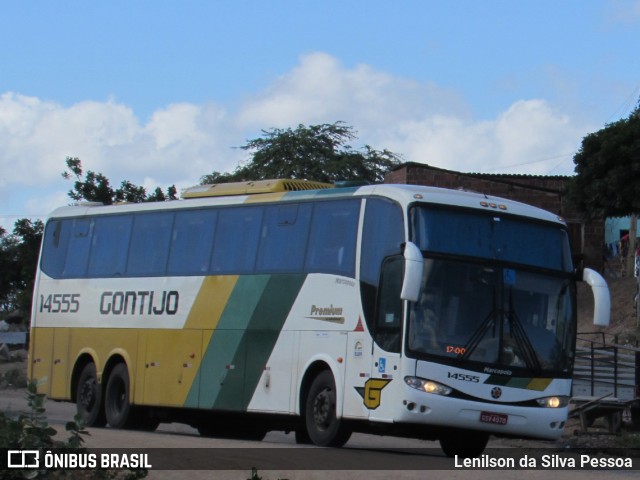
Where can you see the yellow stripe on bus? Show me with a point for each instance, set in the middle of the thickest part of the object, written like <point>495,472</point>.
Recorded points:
<point>210,302</point>
<point>173,361</point>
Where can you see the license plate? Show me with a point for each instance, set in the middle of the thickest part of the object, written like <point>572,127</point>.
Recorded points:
<point>495,418</point>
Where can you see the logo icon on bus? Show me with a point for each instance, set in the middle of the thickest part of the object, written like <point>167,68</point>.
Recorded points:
<point>371,393</point>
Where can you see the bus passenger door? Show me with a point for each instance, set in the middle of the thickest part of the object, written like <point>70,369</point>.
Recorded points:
<point>380,395</point>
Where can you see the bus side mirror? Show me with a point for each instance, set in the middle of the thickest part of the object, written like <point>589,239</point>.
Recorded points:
<point>413,266</point>
<point>601,299</point>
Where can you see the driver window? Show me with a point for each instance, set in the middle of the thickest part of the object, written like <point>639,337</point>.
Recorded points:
<point>388,327</point>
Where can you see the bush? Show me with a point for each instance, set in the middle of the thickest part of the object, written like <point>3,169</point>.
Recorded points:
<point>31,431</point>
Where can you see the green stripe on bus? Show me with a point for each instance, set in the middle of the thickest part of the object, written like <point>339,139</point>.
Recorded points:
<point>217,368</point>
<point>243,341</point>
<point>264,330</point>
<point>260,337</point>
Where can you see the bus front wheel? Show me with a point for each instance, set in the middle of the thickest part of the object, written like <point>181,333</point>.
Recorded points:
<point>117,406</point>
<point>89,397</point>
<point>323,426</point>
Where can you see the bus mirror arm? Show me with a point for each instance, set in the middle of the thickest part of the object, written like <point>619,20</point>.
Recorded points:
<point>601,299</point>
<point>413,266</point>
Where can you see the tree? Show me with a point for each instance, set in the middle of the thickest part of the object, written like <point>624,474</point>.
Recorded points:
<point>95,187</point>
<point>18,262</point>
<point>7,271</point>
<point>607,180</point>
<point>316,152</point>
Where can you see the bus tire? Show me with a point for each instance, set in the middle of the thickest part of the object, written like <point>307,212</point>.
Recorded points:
<point>323,426</point>
<point>116,397</point>
<point>466,444</point>
<point>89,397</point>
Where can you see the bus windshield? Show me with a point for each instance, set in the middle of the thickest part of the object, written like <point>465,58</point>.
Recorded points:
<point>475,311</point>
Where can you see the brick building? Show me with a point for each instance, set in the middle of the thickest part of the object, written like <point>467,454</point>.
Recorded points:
<point>546,192</point>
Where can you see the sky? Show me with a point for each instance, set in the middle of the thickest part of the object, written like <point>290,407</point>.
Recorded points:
<point>162,92</point>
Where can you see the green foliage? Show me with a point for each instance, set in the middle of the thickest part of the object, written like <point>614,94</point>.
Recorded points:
<point>629,440</point>
<point>316,152</point>
<point>31,431</point>
<point>18,260</point>
<point>255,476</point>
<point>95,187</point>
<point>607,181</point>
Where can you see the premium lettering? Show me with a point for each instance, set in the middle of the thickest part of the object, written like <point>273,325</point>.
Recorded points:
<point>326,311</point>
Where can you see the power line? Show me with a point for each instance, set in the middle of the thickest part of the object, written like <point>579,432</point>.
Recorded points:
<point>626,104</point>
<point>563,156</point>
<point>558,164</point>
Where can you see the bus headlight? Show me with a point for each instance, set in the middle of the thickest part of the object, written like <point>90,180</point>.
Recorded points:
<point>428,386</point>
<point>553,402</point>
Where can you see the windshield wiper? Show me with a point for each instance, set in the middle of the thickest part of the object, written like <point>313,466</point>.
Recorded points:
<point>522,340</point>
<point>478,335</point>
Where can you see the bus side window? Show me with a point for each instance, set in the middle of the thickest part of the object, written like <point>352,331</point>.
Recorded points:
<point>383,234</point>
<point>110,246</point>
<point>77,256</point>
<point>332,242</point>
<point>56,238</point>
<point>284,237</point>
<point>192,242</point>
<point>388,327</point>
<point>236,240</point>
<point>150,241</point>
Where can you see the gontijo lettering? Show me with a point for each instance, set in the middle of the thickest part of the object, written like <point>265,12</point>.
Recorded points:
<point>145,302</point>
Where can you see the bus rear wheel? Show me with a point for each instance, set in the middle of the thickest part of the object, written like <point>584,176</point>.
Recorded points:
<point>117,406</point>
<point>323,426</point>
<point>89,397</point>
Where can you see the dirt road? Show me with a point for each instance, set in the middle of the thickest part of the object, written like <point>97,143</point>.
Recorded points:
<point>278,457</point>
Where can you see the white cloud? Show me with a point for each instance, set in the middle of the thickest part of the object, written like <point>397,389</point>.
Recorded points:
<point>423,122</point>
<point>529,135</point>
<point>322,90</point>
<point>180,141</point>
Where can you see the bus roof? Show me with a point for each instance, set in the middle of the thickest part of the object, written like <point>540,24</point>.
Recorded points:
<point>403,194</point>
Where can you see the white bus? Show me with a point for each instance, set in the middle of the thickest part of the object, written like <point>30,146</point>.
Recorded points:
<point>244,308</point>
